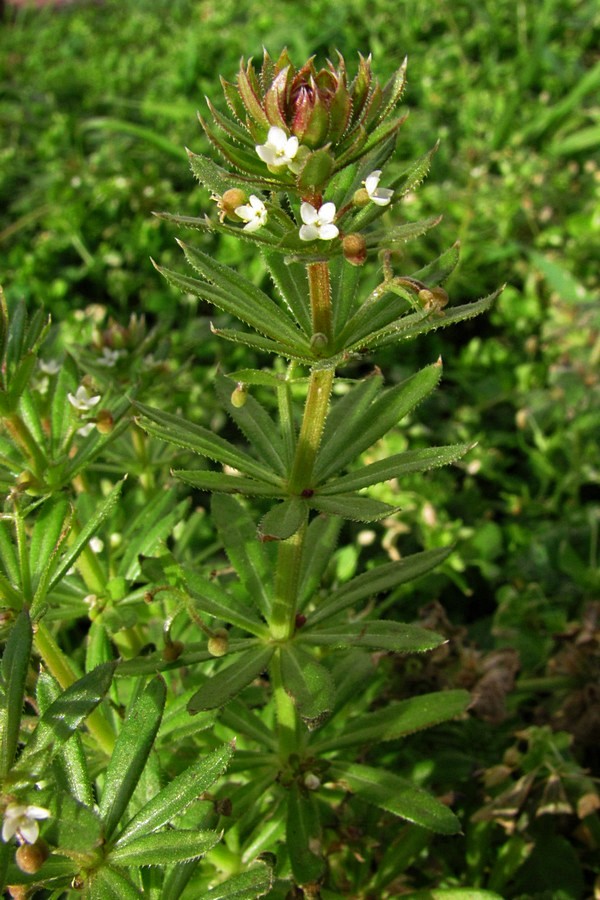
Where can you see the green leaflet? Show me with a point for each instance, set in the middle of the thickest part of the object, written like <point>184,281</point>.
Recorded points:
<point>200,440</point>
<point>253,883</point>
<point>395,720</point>
<point>319,544</point>
<point>74,826</point>
<point>309,684</point>
<point>403,233</point>
<point>62,718</point>
<point>265,345</point>
<point>228,682</point>
<point>218,180</point>
<point>378,635</point>
<point>353,507</point>
<point>130,754</point>
<point>164,847</point>
<point>395,467</point>
<point>363,427</point>
<point>178,794</point>
<point>382,578</point>
<point>456,894</point>
<point>238,533</point>
<point>213,599</point>
<point>396,795</point>
<point>144,533</point>
<point>303,833</point>
<point>283,520</point>
<point>355,402</point>
<point>15,665</point>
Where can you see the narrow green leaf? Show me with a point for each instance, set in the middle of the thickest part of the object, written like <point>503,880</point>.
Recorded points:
<point>164,847</point>
<point>345,282</point>
<point>255,882</point>
<point>219,482</point>
<point>395,467</point>
<point>227,683</point>
<point>412,177</point>
<point>70,762</point>
<point>15,665</point>
<point>397,719</point>
<point>238,533</point>
<point>361,430</point>
<point>407,232</point>
<point>283,520</point>
<point>241,298</point>
<point>200,440</point>
<point>439,269</point>
<point>177,879</point>
<point>382,578</point>
<point>354,404</point>
<point>49,533</point>
<point>101,513</point>
<point>265,345</point>
<point>409,327</point>
<point>130,754</point>
<point>291,282</point>
<point>455,894</point>
<point>179,793</point>
<point>396,795</point>
<point>218,180</point>
<point>384,635</point>
<point>62,718</point>
<point>255,423</point>
<point>303,834</point>
<point>74,826</point>
<point>320,542</point>
<point>145,532</point>
<point>309,684</point>
<point>107,883</point>
<point>353,507</point>
<point>8,551</point>
<point>212,598</point>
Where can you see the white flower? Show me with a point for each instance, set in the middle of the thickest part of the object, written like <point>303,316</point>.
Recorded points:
<point>49,367</point>
<point>253,213</point>
<point>379,196</point>
<point>81,400</point>
<point>86,429</point>
<point>279,150</point>
<point>21,820</point>
<point>109,357</point>
<point>318,223</point>
<point>96,545</point>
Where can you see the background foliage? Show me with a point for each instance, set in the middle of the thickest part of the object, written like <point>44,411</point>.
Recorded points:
<point>97,102</point>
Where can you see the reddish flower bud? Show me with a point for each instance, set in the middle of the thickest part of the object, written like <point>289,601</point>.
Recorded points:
<point>355,249</point>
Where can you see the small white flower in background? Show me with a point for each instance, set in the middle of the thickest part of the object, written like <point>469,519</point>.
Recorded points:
<point>279,150</point>
<point>318,223</point>
<point>86,429</point>
<point>379,196</point>
<point>109,357</point>
<point>81,400</point>
<point>49,367</point>
<point>254,213</point>
<point>96,545</point>
<point>22,820</point>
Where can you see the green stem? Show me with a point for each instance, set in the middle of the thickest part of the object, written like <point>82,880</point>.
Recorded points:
<point>287,580</point>
<point>311,431</point>
<point>320,298</point>
<point>59,666</point>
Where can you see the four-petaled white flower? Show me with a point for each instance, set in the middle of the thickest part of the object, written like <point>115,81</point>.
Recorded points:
<point>279,149</point>
<point>81,400</point>
<point>109,357</point>
<point>21,820</point>
<point>379,196</point>
<point>318,223</point>
<point>254,213</point>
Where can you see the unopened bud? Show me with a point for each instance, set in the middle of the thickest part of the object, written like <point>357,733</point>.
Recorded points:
<point>172,651</point>
<point>31,857</point>
<point>104,421</point>
<point>355,249</point>
<point>312,781</point>
<point>361,197</point>
<point>318,341</point>
<point>239,395</point>
<point>230,201</point>
<point>218,643</point>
